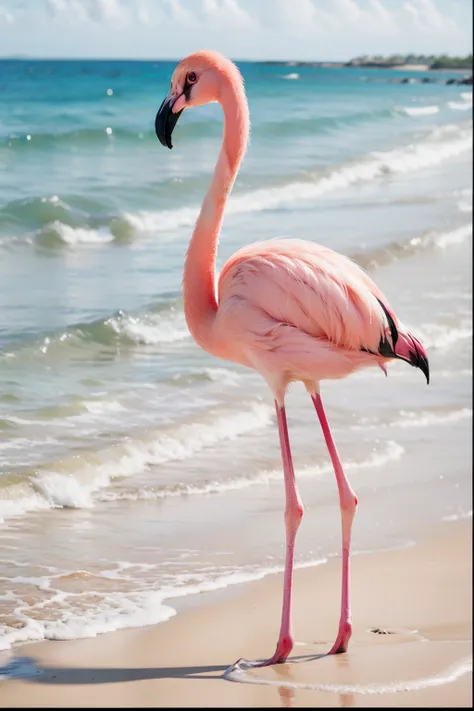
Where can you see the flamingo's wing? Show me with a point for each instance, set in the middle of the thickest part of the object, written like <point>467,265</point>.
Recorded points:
<point>311,288</point>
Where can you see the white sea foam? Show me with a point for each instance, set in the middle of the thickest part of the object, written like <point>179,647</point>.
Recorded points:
<point>458,516</point>
<point>293,75</point>
<point>225,376</point>
<point>435,335</point>
<point>466,96</point>
<point>104,614</point>
<point>21,500</point>
<point>152,329</point>
<point>99,407</point>
<point>163,220</point>
<point>448,294</point>
<point>419,110</point>
<point>428,419</point>
<point>242,672</point>
<point>460,105</point>
<point>81,235</point>
<point>392,452</point>
<point>457,236</point>
<point>414,418</point>
<point>91,613</point>
<point>12,240</point>
<point>19,420</point>
<point>75,482</point>
<point>22,442</point>
<point>68,491</point>
<point>465,202</point>
<point>443,143</point>
<point>405,373</point>
<point>236,577</point>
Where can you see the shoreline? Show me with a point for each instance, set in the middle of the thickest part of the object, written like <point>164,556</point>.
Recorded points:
<point>419,597</point>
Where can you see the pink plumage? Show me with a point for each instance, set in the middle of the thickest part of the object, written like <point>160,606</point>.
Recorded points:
<point>300,311</point>
<point>290,309</point>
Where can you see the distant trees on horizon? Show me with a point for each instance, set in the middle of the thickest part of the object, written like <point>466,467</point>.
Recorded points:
<point>434,61</point>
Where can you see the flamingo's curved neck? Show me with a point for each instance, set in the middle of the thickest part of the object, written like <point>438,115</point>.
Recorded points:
<point>199,282</point>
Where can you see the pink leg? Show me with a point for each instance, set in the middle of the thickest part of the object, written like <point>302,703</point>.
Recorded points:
<point>348,504</point>
<point>293,516</point>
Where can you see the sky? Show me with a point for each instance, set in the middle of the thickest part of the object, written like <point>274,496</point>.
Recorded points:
<point>242,29</point>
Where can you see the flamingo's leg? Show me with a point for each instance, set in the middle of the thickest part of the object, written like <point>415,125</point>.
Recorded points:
<point>293,516</point>
<point>348,505</point>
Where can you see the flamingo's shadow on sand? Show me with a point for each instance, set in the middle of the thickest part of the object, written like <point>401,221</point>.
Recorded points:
<point>28,669</point>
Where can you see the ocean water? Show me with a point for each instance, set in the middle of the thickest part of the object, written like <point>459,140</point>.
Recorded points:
<point>136,471</point>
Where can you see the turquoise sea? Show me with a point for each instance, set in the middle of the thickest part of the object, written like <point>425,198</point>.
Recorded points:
<point>136,471</point>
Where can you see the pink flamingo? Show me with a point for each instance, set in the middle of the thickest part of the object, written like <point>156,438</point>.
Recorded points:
<point>291,310</point>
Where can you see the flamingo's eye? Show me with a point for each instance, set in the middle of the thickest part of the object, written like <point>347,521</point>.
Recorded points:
<point>192,78</point>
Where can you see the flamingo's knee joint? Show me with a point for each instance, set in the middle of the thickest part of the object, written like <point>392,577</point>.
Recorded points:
<point>293,516</point>
<point>349,504</point>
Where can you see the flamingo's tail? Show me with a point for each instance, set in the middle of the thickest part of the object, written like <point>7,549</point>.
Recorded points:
<point>404,346</point>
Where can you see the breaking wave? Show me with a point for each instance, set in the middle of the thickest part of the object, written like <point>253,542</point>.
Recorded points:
<point>63,229</point>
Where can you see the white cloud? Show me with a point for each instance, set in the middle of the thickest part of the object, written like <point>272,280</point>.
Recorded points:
<point>299,29</point>
<point>381,15</point>
<point>179,13</point>
<point>373,17</point>
<point>110,12</point>
<point>6,16</point>
<point>426,16</point>
<point>300,16</point>
<point>69,11</point>
<point>224,14</point>
<point>309,15</point>
<point>107,10</point>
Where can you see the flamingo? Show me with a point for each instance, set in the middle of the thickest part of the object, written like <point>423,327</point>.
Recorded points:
<point>292,310</point>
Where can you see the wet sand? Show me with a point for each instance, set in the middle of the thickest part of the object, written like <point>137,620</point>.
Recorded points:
<point>411,644</point>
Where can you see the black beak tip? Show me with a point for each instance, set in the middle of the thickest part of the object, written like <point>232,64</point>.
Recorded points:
<point>419,360</point>
<point>165,142</point>
<point>425,368</point>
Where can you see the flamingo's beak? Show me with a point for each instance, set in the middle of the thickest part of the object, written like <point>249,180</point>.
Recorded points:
<point>166,120</point>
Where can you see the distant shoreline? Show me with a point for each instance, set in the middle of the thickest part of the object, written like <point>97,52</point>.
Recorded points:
<point>271,62</point>
<point>417,68</point>
<point>346,65</point>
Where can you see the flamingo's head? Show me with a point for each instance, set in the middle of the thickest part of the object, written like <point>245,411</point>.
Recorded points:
<point>198,79</point>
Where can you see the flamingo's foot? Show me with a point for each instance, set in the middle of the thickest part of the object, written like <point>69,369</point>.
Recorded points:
<point>284,647</point>
<point>342,641</point>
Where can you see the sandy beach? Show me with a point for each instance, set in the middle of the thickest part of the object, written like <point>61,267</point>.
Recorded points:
<point>411,644</point>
